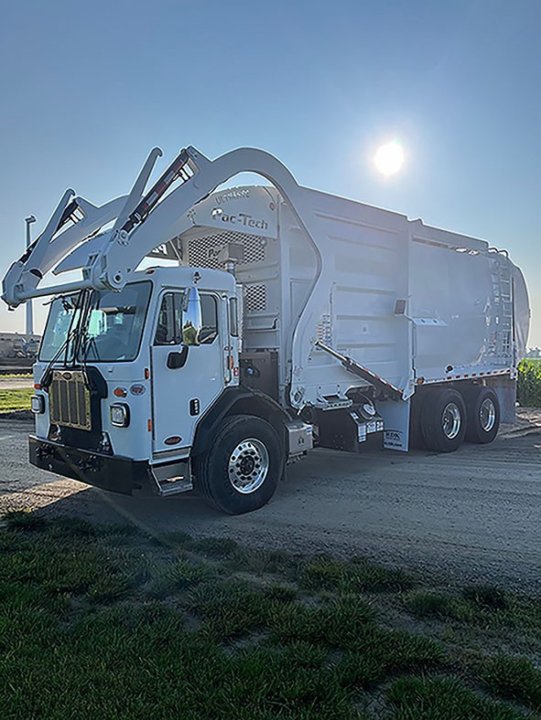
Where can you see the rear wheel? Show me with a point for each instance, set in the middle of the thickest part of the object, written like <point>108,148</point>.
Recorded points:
<point>483,411</point>
<point>443,420</point>
<point>240,472</point>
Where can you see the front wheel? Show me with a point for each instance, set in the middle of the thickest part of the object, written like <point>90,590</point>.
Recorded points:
<point>240,472</point>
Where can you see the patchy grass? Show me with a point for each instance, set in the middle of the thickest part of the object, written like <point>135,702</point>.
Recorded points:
<point>220,548</point>
<point>445,699</point>
<point>266,562</point>
<point>486,597</point>
<point>11,400</point>
<point>205,629</point>
<point>358,575</point>
<point>24,520</point>
<point>482,616</point>
<point>281,592</point>
<point>515,678</point>
<point>180,575</point>
<point>430,605</point>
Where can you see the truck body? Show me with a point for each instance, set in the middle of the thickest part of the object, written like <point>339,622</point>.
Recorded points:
<point>279,318</point>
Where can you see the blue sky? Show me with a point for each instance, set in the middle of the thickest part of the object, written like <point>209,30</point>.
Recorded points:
<point>87,89</point>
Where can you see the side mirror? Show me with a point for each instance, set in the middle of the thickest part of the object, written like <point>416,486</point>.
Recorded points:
<point>192,321</point>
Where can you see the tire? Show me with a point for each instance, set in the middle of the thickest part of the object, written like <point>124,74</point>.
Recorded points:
<point>443,420</point>
<point>483,415</point>
<point>240,471</point>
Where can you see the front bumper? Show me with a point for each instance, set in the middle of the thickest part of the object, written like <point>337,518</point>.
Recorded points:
<point>109,472</point>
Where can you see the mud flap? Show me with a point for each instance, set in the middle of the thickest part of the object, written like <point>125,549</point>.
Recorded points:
<point>396,416</point>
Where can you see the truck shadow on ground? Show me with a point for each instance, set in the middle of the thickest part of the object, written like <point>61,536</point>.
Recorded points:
<point>305,489</point>
<point>473,513</point>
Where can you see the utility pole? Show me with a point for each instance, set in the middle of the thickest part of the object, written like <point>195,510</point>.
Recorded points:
<point>29,316</point>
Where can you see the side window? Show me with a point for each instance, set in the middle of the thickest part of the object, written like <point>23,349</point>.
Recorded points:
<point>234,316</point>
<point>169,326</point>
<point>169,320</point>
<point>209,314</point>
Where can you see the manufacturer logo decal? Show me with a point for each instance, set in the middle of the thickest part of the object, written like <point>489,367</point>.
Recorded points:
<point>240,219</point>
<point>234,194</point>
<point>137,389</point>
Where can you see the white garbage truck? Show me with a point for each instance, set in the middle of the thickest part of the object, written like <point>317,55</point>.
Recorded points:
<point>201,338</point>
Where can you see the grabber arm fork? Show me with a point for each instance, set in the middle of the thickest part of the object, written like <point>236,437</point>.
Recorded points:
<point>74,221</point>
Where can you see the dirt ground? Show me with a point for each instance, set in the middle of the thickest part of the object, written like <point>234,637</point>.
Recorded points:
<point>473,515</point>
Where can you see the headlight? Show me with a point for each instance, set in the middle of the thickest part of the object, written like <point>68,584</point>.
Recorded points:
<point>37,404</point>
<point>120,415</point>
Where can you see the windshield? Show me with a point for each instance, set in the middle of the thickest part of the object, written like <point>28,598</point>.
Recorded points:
<point>112,328</point>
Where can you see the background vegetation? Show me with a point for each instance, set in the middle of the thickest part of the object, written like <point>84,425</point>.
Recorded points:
<point>15,399</point>
<point>529,383</point>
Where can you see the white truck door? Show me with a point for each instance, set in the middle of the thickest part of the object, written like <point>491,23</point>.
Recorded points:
<point>181,394</point>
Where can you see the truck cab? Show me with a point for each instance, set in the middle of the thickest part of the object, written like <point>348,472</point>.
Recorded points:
<point>124,378</point>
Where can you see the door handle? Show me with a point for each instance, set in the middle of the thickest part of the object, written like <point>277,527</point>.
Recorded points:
<point>177,360</point>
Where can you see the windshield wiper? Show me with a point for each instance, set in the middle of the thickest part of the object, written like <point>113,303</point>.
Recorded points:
<point>89,341</point>
<point>45,378</point>
<point>70,335</point>
<point>86,341</point>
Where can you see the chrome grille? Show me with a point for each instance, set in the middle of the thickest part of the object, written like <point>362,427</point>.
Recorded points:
<point>69,400</point>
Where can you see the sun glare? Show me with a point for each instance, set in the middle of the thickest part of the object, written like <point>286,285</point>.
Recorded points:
<point>389,158</point>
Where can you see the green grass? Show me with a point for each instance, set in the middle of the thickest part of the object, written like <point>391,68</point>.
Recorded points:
<point>15,399</point>
<point>107,622</point>
<point>436,605</point>
<point>476,603</point>
<point>21,376</point>
<point>358,575</point>
<point>515,678</point>
<point>443,699</point>
<point>529,383</point>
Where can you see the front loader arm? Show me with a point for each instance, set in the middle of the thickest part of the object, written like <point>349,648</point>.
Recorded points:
<point>142,222</point>
<point>142,226</point>
<point>54,244</point>
<point>23,277</point>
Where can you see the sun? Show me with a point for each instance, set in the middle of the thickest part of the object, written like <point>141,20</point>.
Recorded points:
<point>389,158</point>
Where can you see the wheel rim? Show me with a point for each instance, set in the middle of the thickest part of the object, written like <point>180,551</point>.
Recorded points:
<point>451,420</point>
<point>487,414</point>
<point>248,466</point>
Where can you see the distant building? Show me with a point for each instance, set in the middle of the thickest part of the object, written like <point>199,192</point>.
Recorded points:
<point>18,345</point>
<point>534,353</point>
